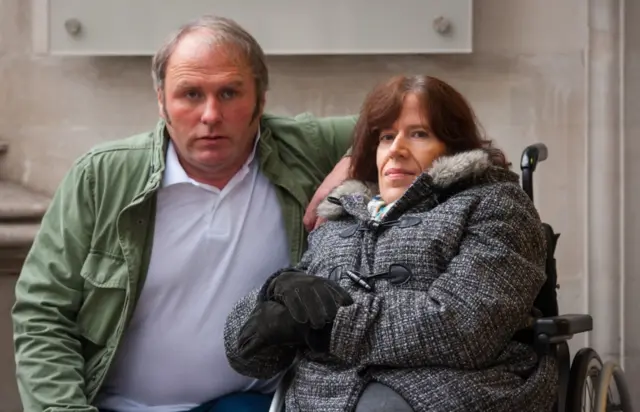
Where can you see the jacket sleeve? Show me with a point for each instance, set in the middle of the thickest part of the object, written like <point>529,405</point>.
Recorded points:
<point>471,311</point>
<point>272,360</point>
<point>49,362</point>
<point>335,135</point>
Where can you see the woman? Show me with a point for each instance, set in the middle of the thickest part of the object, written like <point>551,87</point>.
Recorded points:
<point>412,291</point>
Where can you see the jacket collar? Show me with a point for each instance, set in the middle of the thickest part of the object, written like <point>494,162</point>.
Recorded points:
<point>266,153</point>
<point>447,175</point>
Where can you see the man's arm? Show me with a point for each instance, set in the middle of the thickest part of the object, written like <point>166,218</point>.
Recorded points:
<point>49,363</point>
<point>336,134</point>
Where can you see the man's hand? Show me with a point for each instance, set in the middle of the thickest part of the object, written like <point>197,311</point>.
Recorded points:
<point>338,175</point>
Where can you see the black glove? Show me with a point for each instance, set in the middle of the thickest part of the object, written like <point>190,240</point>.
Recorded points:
<point>271,324</point>
<point>310,299</point>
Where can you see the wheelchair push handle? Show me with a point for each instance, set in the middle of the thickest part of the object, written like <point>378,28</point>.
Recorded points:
<point>531,156</point>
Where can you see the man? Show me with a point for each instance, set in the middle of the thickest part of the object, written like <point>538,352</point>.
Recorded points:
<point>150,240</point>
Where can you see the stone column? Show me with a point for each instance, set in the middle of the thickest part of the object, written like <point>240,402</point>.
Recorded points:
<point>604,183</point>
<point>631,159</point>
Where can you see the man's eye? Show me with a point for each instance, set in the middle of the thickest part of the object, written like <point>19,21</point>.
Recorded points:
<point>192,94</point>
<point>228,94</point>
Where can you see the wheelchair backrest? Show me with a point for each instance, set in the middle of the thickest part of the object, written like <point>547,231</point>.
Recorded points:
<point>547,299</point>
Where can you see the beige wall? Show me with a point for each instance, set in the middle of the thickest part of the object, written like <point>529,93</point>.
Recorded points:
<point>527,80</point>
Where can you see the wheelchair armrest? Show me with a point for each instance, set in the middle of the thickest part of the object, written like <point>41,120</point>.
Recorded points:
<point>557,329</point>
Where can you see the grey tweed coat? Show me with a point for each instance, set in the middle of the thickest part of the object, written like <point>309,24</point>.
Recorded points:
<point>468,254</point>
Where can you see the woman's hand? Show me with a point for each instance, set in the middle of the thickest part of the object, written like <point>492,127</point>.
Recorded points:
<point>309,299</point>
<point>270,324</point>
<point>298,311</point>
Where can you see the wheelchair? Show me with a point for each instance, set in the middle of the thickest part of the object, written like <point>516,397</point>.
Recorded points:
<point>586,383</point>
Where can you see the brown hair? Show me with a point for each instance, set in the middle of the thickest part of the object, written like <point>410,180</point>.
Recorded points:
<point>448,113</point>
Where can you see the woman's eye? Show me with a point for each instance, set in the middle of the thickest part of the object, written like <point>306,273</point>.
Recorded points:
<point>386,137</point>
<point>420,133</point>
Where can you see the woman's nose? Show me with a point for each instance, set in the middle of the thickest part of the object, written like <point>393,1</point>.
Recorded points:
<point>399,145</point>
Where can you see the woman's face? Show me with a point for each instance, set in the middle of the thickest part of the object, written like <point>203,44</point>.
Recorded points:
<point>405,150</point>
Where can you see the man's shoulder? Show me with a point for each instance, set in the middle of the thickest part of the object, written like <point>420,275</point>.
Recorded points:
<point>134,143</point>
<point>277,119</point>
<point>113,153</point>
<point>309,130</point>
<point>305,121</point>
<point>117,169</point>
<point>278,124</point>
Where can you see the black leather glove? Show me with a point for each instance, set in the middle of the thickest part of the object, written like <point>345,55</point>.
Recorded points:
<point>309,299</point>
<point>270,324</point>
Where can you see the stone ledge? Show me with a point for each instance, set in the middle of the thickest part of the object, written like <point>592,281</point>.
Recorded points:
<point>11,260</point>
<point>19,203</point>
<point>17,235</point>
<point>15,242</point>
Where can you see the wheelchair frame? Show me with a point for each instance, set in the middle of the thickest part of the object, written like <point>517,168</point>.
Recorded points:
<point>550,333</point>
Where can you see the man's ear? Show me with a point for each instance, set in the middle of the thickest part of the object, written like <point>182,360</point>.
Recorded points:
<point>259,109</point>
<point>160,96</point>
<point>263,101</point>
<point>162,109</point>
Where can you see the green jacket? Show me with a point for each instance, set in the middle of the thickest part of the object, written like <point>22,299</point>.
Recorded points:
<point>80,282</point>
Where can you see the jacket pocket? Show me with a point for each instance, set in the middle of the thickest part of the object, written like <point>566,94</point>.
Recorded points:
<point>105,291</point>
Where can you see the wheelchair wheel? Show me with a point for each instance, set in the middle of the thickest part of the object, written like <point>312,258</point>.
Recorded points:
<point>612,392</point>
<point>583,381</point>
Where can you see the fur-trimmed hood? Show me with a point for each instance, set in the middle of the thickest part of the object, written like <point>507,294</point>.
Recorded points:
<point>464,169</point>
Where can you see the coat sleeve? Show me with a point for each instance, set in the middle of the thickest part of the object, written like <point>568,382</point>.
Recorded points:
<point>49,363</point>
<point>471,311</point>
<point>272,360</point>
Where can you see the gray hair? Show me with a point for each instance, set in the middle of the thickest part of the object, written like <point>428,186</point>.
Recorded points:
<point>221,30</point>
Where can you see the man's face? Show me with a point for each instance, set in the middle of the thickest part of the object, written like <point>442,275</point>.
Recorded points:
<point>209,102</point>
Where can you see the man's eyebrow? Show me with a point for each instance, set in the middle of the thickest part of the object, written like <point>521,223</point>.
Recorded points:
<point>235,83</point>
<point>185,84</point>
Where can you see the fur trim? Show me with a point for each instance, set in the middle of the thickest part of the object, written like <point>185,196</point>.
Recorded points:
<point>330,210</point>
<point>444,172</point>
<point>448,170</point>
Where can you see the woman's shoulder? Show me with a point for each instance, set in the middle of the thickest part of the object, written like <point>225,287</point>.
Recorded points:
<point>501,194</point>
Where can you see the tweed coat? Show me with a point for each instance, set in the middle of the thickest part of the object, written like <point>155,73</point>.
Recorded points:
<point>453,267</point>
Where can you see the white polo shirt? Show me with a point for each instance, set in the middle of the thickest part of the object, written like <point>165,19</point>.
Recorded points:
<point>211,247</point>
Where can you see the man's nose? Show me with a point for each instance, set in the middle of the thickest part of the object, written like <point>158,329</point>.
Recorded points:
<point>212,113</point>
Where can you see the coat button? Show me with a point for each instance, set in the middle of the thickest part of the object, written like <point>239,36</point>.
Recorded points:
<point>350,231</point>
